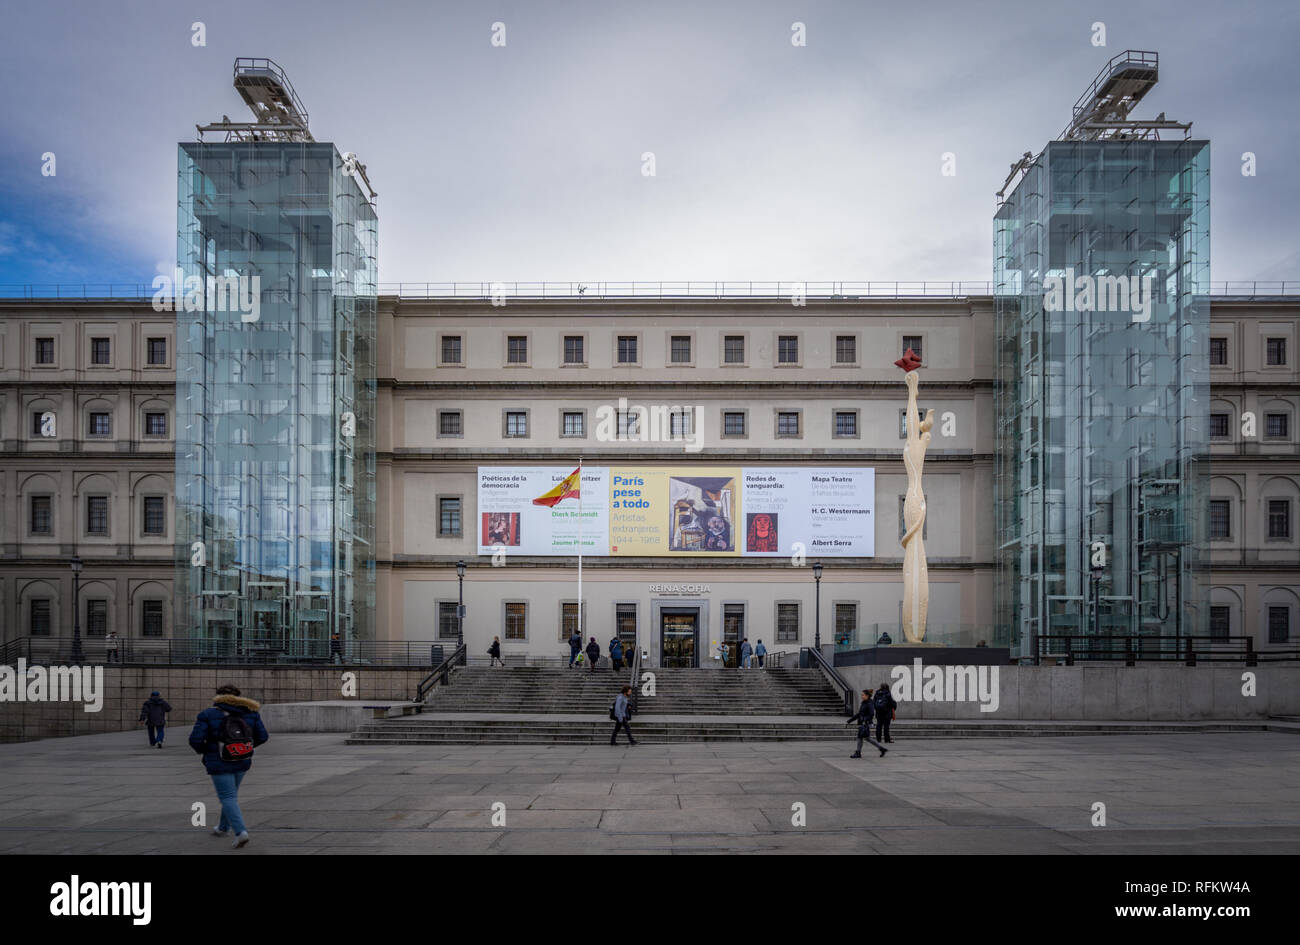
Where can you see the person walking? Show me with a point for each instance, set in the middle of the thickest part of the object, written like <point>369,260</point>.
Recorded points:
<point>575,647</point>
<point>746,652</point>
<point>110,647</point>
<point>593,653</point>
<point>866,709</point>
<point>336,648</point>
<point>225,734</point>
<point>760,651</point>
<point>616,653</point>
<point>621,713</point>
<point>154,714</point>
<point>723,652</point>
<point>885,706</point>
<point>495,652</point>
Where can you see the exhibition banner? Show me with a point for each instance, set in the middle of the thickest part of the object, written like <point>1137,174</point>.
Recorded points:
<point>655,511</point>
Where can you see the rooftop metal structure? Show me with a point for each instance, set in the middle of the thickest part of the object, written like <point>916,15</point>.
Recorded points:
<point>1101,112</point>
<point>270,96</point>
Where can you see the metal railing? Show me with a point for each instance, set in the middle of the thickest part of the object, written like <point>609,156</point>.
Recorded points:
<point>441,673</point>
<point>951,634</point>
<point>170,652</point>
<point>832,675</point>
<point>634,675</point>
<point>1072,648</point>
<point>704,289</point>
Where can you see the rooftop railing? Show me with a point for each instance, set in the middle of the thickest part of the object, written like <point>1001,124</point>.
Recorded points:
<point>144,292</point>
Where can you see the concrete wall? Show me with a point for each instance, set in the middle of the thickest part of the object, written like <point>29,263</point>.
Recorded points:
<point>1112,693</point>
<point>191,690</point>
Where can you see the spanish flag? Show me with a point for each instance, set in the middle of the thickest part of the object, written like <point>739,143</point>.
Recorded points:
<point>567,489</point>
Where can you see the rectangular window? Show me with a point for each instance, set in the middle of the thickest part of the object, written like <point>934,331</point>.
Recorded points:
<point>157,350</point>
<point>449,517</point>
<point>155,424</point>
<point>913,342</point>
<point>846,349</point>
<point>516,621</point>
<point>1279,518</point>
<point>569,621</point>
<point>787,349</point>
<point>1220,617</point>
<point>44,350</point>
<point>629,423</point>
<point>1275,357</point>
<point>96,618</point>
<point>516,423</point>
<point>573,349</point>
<point>40,611</point>
<point>681,349</point>
<point>902,421</point>
<point>681,422</point>
<point>787,423</point>
<point>451,349</point>
<point>449,422</point>
<point>42,515</point>
<point>155,515</point>
<point>846,423</point>
<point>448,623</point>
<point>100,351</point>
<point>625,625</point>
<point>96,515</point>
<point>36,422</point>
<point>151,618</point>
<point>787,623</point>
<point>99,424</point>
<point>1276,425</point>
<point>846,622</point>
<point>517,349</point>
<point>1219,424</point>
<point>1220,518</point>
<point>733,423</point>
<point>1279,624</point>
<point>733,630</point>
<point>627,349</point>
<point>575,423</point>
<point>1218,351</point>
<point>902,520</point>
<point>733,349</point>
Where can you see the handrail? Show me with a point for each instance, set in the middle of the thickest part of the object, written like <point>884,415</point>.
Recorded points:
<point>143,292</point>
<point>1131,647</point>
<point>13,650</point>
<point>833,676</point>
<point>441,673</point>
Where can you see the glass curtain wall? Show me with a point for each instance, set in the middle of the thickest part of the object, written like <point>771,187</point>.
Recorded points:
<point>1101,275</point>
<point>275,475</point>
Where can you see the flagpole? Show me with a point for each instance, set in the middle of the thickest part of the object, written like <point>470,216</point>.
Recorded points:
<point>582,629</point>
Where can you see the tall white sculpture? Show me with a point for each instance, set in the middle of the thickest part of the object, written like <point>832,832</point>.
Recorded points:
<point>916,579</point>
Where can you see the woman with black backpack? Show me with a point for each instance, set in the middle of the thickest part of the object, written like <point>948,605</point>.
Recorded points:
<point>225,735</point>
<point>885,706</point>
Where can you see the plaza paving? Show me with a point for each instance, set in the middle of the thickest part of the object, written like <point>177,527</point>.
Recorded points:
<point>1203,793</point>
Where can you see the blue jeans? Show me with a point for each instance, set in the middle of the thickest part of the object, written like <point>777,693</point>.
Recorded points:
<point>227,786</point>
<point>155,733</point>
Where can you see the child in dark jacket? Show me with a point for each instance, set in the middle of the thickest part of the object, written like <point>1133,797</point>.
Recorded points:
<point>225,735</point>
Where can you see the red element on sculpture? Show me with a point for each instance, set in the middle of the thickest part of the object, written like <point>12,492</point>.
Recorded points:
<point>909,361</point>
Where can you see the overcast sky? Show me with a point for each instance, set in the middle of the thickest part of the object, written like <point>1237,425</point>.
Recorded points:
<point>524,162</point>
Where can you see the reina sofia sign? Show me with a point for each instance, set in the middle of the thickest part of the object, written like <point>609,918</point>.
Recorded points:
<point>680,589</point>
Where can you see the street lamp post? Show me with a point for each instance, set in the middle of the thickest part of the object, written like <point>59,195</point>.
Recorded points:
<point>77,655</point>
<point>817,575</point>
<point>460,608</point>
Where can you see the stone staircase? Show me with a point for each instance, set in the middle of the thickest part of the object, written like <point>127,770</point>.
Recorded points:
<point>528,704</point>
<point>530,690</point>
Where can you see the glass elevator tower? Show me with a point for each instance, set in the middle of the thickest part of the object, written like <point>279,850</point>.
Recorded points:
<point>1101,275</point>
<point>275,466</point>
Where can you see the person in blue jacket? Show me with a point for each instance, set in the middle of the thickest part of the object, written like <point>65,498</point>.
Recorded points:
<point>616,653</point>
<point>225,735</point>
